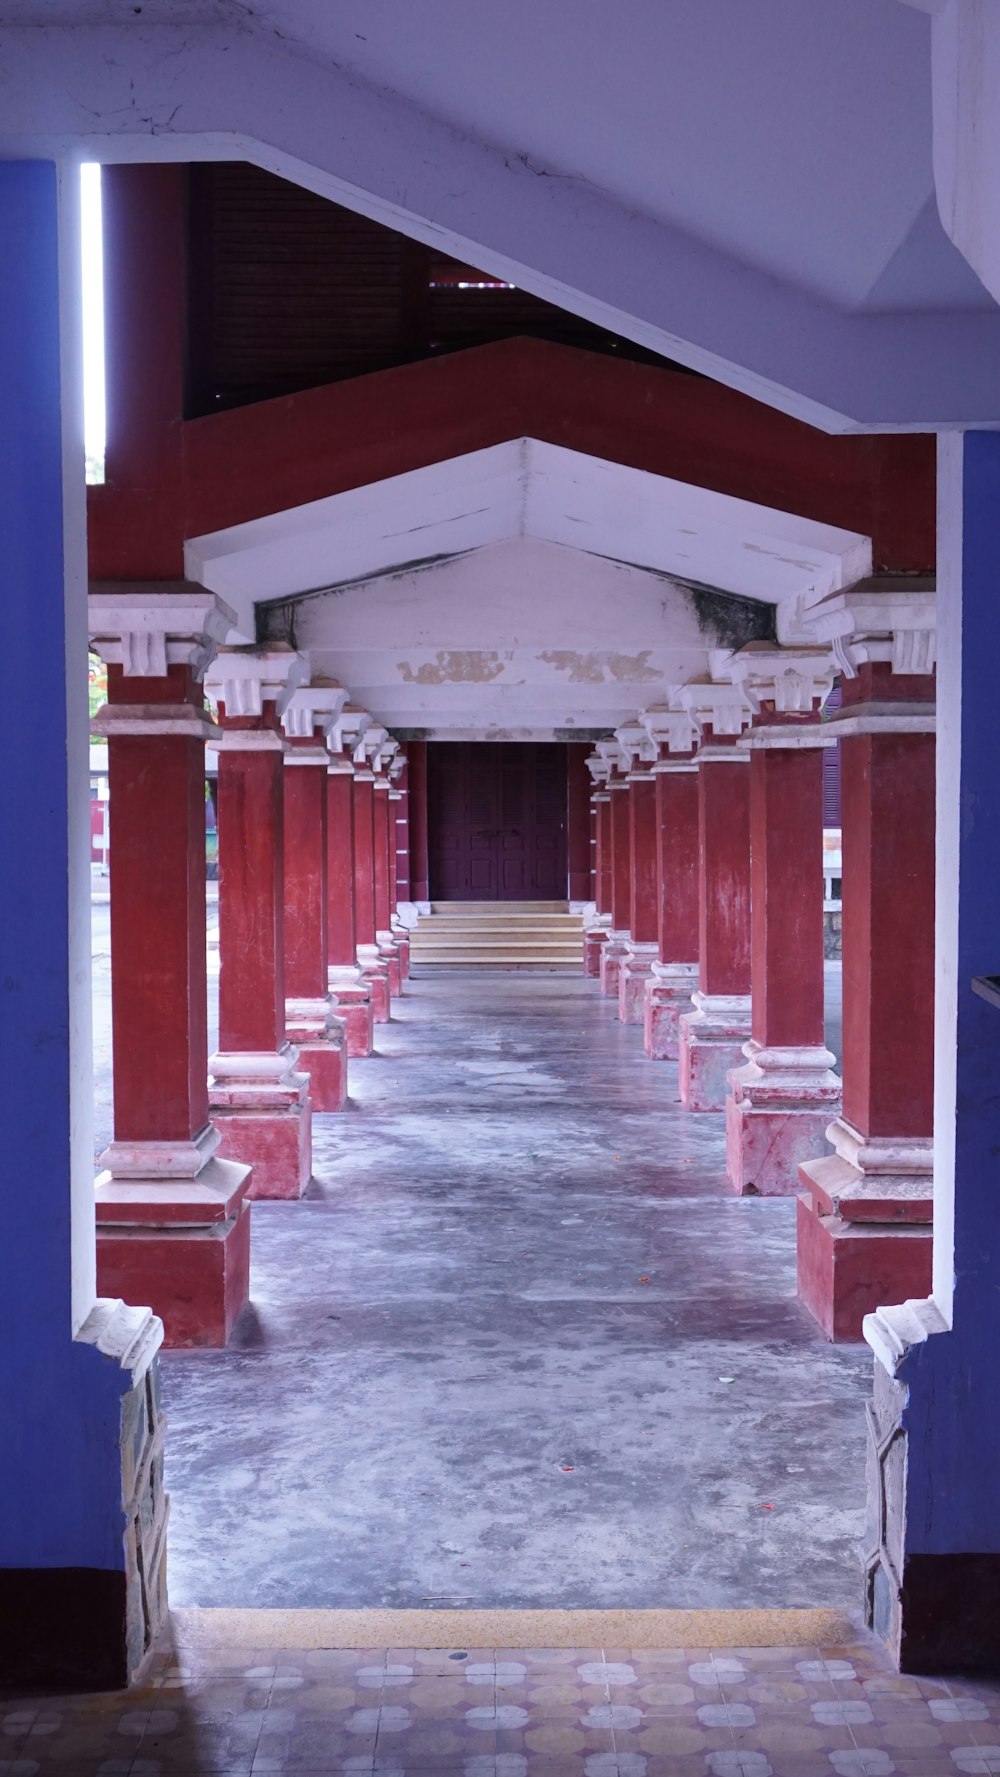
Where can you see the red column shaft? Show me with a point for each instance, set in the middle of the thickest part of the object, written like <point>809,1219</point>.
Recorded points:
<point>364,861</point>
<point>158,975</point>
<point>341,940</point>
<point>677,836</point>
<point>887,796</point>
<point>251,893</point>
<point>594,865</point>
<point>380,854</point>
<point>577,821</point>
<point>135,520</point>
<point>305,850</point>
<point>643,895</point>
<point>621,857</point>
<point>786,843</point>
<point>393,859</point>
<point>416,754</point>
<point>604,850</point>
<point>724,877</point>
<point>402,831</point>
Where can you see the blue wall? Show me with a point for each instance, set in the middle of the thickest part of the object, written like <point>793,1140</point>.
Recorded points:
<point>953,1413</point>
<point>59,1400</point>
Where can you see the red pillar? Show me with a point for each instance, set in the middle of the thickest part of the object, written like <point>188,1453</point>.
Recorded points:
<point>399,854</point>
<point>351,994</point>
<point>310,1023</point>
<point>173,1220</point>
<point>373,967</point>
<point>864,1222</point>
<point>783,1097</point>
<point>614,950</point>
<point>260,1102</point>
<point>674,974</point>
<point>135,521</point>
<point>642,944</point>
<point>711,1037</point>
<point>598,925</point>
<point>383,854</point>
<point>577,822</point>
<point>416,757</point>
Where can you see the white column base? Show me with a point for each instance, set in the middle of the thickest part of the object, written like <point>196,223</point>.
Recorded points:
<point>711,1039</point>
<point>667,998</point>
<point>779,1105</point>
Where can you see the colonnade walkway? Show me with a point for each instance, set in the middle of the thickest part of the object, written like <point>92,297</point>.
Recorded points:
<point>519,1345</point>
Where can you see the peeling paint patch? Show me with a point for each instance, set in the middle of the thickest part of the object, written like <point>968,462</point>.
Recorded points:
<point>633,667</point>
<point>582,669</point>
<point>473,666</point>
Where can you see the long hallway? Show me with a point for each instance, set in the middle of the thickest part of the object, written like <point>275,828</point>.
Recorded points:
<point>519,1345</point>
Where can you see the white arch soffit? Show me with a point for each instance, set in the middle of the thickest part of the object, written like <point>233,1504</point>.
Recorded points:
<point>529,489</point>
<point>774,263</point>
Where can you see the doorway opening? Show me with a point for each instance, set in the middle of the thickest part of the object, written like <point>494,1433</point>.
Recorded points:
<point>496,818</point>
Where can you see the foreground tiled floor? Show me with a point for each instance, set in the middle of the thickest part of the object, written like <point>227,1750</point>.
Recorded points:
<point>514,1712</point>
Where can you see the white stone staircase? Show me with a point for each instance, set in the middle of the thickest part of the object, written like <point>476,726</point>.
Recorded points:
<point>498,935</point>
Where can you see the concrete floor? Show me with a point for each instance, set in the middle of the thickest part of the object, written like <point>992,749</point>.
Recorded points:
<point>519,1346</point>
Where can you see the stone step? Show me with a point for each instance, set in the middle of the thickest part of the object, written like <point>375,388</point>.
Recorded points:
<point>497,959</point>
<point>553,965</point>
<point>430,934</point>
<point>508,922</point>
<point>500,939</point>
<point>499,907</point>
<point>502,935</point>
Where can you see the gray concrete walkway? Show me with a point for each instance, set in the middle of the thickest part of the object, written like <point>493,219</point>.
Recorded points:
<point>519,1346</point>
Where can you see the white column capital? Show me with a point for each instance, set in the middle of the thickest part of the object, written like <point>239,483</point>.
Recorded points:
<point>599,770</point>
<point>312,710</point>
<point>717,704</point>
<point>369,744</point>
<point>796,679</point>
<point>347,730</point>
<point>615,758</point>
<point>637,749</point>
<point>244,679</point>
<point>672,730</point>
<point>890,619</point>
<point>145,627</point>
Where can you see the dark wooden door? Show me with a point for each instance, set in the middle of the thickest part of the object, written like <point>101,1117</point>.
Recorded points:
<point>496,820</point>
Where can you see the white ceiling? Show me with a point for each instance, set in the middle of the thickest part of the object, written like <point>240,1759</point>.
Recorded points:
<point>521,589</point>
<point>696,122</point>
<point>745,185</point>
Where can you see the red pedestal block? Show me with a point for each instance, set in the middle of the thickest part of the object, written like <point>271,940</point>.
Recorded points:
<point>401,938</point>
<point>183,1244</point>
<point>353,1003</point>
<point>325,1062</point>
<point>711,1040</point>
<point>269,1126</point>
<point>667,999</point>
<point>613,954</point>
<point>389,954</point>
<point>594,940</point>
<point>634,973</point>
<point>777,1117</point>
<point>848,1269</point>
<point>375,975</point>
<point>320,1040</point>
